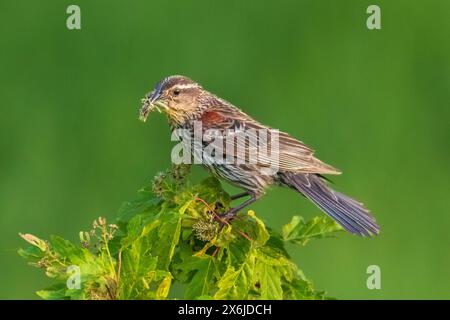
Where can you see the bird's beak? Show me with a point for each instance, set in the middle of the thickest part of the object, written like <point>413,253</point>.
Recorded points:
<point>151,102</point>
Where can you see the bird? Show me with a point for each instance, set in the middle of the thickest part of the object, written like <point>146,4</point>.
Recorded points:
<point>186,103</point>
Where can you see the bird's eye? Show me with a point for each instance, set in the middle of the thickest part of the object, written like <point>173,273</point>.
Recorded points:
<point>176,92</point>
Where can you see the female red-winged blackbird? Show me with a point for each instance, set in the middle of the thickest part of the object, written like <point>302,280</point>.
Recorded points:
<point>186,104</point>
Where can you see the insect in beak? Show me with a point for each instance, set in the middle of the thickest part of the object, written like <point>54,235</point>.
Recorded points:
<point>150,103</point>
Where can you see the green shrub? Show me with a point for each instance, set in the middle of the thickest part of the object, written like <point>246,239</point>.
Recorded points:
<point>173,234</point>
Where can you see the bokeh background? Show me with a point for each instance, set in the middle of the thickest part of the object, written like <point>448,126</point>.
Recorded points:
<point>373,103</point>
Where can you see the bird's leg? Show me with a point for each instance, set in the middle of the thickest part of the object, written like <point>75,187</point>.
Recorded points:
<point>240,195</point>
<point>233,211</point>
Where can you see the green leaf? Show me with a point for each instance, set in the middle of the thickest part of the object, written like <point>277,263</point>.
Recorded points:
<point>268,279</point>
<point>300,289</point>
<point>253,227</point>
<point>300,232</point>
<point>138,270</point>
<point>271,269</point>
<point>236,282</point>
<point>31,253</point>
<point>276,242</point>
<point>52,295</point>
<point>239,251</point>
<point>183,264</point>
<point>205,297</point>
<point>163,288</point>
<point>202,281</point>
<point>138,263</point>
<point>75,294</point>
<point>145,202</point>
<point>210,190</point>
<point>138,228</point>
<point>168,236</point>
<point>147,251</point>
<point>74,254</point>
<point>55,292</point>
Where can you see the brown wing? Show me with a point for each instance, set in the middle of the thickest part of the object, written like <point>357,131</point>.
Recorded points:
<point>291,154</point>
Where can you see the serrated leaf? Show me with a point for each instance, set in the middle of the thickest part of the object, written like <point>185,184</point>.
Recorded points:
<point>168,236</point>
<point>302,290</point>
<point>55,292</point>
<point>74,254</point>
<point>145,202</point>
<point>272,268</point>
<point>277,243</point>
<point>137,228</point>
<point>52,295</point>
<point>236,283</point>
<point>183,265</point>
<point>202,281</point>
<point>261,233</point>
<point>239,251</point>
<point>268,280</point>
<point>300,232</point>
<point>139,272</point>
<point>76,294</point>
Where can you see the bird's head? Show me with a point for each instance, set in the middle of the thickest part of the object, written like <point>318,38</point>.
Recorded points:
<point>177,96</point>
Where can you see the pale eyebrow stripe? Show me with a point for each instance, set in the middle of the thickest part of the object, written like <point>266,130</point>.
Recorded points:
<point>186,86</point>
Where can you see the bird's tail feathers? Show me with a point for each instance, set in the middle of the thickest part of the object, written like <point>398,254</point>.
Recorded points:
<point>349,213</point>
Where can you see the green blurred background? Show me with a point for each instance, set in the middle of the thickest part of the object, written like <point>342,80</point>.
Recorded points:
<point>373,103</point>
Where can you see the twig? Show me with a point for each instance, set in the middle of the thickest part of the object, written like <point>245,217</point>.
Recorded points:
<point>213,211</point>
<point>245,235</point>
<point>119,268</point>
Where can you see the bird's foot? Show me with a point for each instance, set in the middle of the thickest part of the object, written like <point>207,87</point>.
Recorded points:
<point>231,213</point>
<point>225,218</point>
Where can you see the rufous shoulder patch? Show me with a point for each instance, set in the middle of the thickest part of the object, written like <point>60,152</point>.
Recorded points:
<point>209,118</point>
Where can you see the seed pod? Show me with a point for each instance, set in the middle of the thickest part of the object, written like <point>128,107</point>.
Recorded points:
<point>205,230</point>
